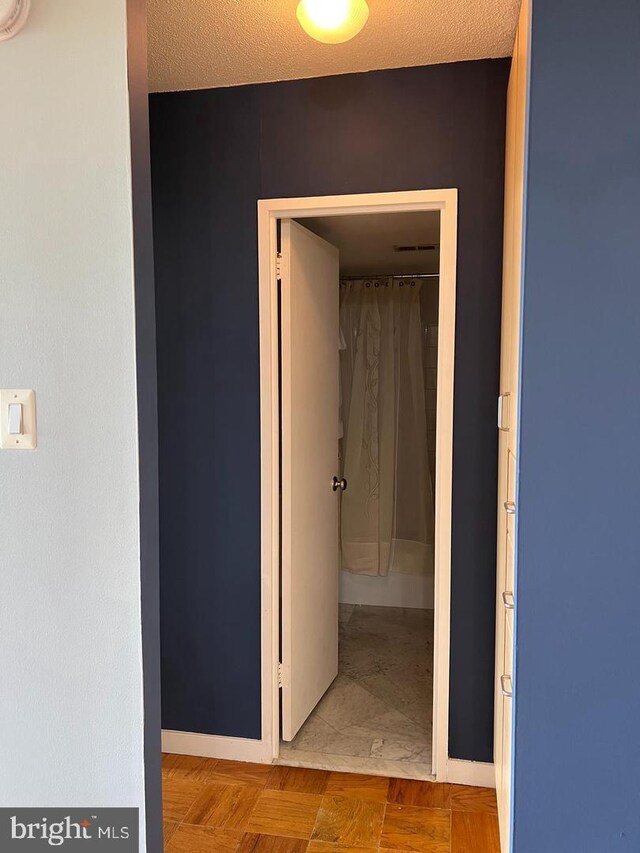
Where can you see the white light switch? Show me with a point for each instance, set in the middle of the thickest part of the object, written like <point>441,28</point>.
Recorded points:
<point>17,419</point>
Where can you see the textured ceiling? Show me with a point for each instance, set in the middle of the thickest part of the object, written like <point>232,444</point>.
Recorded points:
<point>200,44</point>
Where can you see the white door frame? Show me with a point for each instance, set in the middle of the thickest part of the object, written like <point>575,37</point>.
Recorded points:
<point>269,212</point>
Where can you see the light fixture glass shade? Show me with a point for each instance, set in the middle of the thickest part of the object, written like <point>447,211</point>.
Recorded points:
<point>332,21</point>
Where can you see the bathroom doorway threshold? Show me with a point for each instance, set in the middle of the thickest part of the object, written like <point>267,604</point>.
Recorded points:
<point>356,764</point>
<point>270,212</point>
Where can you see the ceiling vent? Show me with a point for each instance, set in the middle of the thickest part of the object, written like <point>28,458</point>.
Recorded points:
<point>421,248</point>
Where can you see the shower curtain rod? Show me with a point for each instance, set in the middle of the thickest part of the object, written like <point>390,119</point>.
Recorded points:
<point>389,275</point>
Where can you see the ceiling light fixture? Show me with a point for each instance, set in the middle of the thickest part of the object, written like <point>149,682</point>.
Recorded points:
<point>332,21</point>
<point>13,14</point>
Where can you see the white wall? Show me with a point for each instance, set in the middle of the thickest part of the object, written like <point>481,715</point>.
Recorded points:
<point>71,717</point>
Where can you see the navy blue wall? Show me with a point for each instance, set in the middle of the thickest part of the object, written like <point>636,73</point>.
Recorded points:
<point>577,765</point>
<point>206,178</point>
<point>214,153</point>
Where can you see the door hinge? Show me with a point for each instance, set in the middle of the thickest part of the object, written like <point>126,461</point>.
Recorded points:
<point>503,412</point>
<point>279,265</point>
<point>281,675</point>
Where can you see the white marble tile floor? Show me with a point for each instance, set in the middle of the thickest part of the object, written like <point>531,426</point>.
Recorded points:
<point>377,715</point>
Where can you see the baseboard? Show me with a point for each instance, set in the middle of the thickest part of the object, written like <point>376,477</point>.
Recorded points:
<point>216,746</point>
<point>476,773</point>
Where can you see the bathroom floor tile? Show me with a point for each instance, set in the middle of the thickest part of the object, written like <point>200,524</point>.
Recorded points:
<point>369,765</point>
<point>380,705</point>
<point>318,736</point>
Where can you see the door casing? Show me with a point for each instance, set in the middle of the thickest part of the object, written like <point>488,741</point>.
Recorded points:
<point>269,212</point>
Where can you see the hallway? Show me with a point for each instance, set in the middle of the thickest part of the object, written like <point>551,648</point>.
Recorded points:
<point>230,807</point>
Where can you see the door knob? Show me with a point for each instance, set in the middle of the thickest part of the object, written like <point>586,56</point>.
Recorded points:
<point>338,484</point>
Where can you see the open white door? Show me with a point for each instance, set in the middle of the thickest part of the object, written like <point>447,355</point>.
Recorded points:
<point>309,273</point>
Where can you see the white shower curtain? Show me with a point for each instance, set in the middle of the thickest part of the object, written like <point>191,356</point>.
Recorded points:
<point>387,514</point>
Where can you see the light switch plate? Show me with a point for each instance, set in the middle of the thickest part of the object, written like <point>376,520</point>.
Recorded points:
<point>27,439</point>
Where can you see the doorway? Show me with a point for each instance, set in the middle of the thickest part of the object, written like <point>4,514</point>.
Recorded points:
<point>312,593</point>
